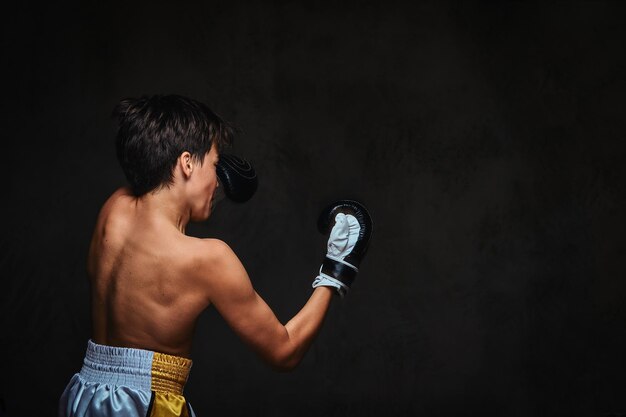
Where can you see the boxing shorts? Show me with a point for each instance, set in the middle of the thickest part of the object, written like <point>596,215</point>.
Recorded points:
<point>126,382</point>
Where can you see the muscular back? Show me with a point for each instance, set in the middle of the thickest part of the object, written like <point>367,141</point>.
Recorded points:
<point>144,285</point>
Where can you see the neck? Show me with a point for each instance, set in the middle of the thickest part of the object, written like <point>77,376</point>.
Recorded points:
<point>164,205</point>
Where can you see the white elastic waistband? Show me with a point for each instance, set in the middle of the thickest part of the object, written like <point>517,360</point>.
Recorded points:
<point>137,368</point>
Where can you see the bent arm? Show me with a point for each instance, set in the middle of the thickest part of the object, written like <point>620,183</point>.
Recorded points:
<point>305,325</point>
<point>281,346</point>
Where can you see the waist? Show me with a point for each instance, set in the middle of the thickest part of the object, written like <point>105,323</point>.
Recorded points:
<point>137,368</point>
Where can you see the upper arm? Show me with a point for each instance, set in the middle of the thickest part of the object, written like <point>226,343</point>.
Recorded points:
<point>234,297</point>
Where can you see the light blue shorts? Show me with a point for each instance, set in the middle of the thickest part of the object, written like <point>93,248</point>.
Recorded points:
<point>125,382</point>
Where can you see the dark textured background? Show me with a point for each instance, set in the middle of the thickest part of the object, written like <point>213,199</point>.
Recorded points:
<point>487,139</point>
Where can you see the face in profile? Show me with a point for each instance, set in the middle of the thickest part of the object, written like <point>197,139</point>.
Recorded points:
<point>204,183</point>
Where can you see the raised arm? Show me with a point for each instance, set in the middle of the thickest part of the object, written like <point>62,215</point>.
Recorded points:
<point>232,294</point>
<point>348,227</point>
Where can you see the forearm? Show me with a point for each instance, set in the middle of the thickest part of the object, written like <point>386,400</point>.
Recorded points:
<point>305,325</point>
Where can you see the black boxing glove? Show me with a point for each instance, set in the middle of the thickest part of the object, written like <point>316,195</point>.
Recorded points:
<point>348,226</point>
<point>237,178</point>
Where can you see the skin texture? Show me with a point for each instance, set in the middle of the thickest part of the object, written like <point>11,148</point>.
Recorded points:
<point>150,281</point>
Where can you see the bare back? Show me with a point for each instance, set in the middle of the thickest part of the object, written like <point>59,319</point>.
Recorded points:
<point>143,286</point>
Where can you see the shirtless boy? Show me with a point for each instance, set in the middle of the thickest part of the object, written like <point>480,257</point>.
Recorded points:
<point>150,281</point>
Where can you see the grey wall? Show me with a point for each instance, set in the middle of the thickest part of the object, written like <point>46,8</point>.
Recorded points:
<point>487,140</point>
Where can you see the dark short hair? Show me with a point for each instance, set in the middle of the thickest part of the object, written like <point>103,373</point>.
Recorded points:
<point>154,130</point>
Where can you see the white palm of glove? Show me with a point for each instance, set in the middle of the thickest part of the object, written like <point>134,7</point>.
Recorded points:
<point>343,237</point>
<point>341,241</point>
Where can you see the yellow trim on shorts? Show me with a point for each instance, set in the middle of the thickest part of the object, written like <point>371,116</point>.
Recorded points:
<point>166,404</point>
<point>169,373</point>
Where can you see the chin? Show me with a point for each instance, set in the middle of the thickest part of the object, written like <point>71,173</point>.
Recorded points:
<point>207,213</point>
<point>204,216</point>
<point>200,217</point>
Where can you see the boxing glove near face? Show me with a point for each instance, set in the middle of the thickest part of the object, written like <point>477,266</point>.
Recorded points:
<point>237,178</point>
<point>348,226</point>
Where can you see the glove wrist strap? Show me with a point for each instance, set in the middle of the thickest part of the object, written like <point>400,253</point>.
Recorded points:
<point>341,271</point>
<point>325,281</point>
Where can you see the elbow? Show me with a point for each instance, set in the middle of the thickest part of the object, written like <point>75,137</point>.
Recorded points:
<point>285,361</point>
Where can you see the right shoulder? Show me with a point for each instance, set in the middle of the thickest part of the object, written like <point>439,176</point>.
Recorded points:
<point>210,254</point>
<point>219,269</point>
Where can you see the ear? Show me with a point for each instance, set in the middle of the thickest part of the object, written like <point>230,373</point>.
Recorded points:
<point>185,161</point>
